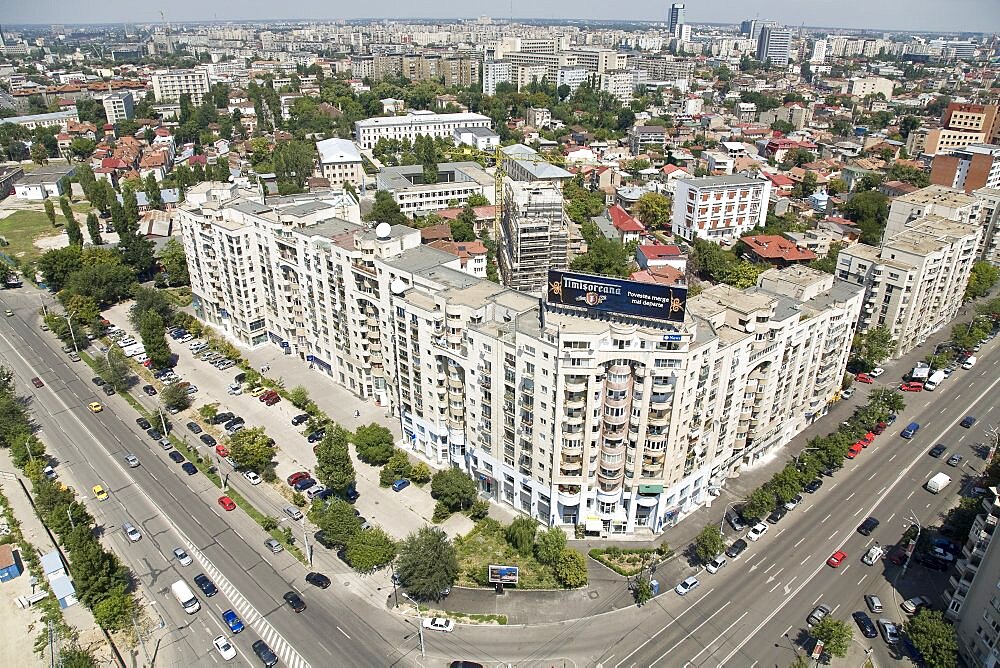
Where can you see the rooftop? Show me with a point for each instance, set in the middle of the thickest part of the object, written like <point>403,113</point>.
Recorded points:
<point>337,150</point>
<point>728,180</point>
<point>941,195</point>
<point>777,247</point>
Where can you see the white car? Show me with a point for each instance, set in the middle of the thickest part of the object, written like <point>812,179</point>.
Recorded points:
<point>876,372</point>
<point>226,649</point>
<point>439,624</point>
<point>687,585</point>
<point>715,564</point>
<point>186,338</point>
<point>131,532</point>
<point>757,531</point>
<point>848,393</point>
<point>252,477</point>
<point>183,557</point>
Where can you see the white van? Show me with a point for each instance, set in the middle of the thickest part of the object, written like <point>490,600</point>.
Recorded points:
<point>969,363</point>
<point>185,597</point>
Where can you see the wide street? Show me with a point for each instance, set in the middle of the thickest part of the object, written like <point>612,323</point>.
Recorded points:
<point>750,613</point>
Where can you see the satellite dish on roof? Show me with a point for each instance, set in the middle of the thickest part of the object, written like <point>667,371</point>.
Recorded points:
<point>750,327</point>
<point>398,287</point>
<point>382,230</point>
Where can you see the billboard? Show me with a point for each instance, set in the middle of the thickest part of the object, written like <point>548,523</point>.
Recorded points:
<point>506,575</point>
<point>615,295</point>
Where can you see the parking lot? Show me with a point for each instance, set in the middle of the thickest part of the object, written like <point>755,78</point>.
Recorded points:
<point>398,513</point>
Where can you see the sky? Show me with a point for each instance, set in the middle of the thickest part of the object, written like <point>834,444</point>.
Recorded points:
<point>931,15</point>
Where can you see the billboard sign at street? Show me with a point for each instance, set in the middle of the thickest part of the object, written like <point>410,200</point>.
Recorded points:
<point>506,575</point>
<point>616,295</point>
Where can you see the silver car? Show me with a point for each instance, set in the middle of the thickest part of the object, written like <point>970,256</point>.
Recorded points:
<point>132,461</point>
<point>183,557</point>
<point>131,532</point>
<point>273,545</point>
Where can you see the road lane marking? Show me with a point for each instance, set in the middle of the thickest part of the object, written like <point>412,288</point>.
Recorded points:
<point>788,587</point>
<point>890,517</point>
<point>862,580</point>
<point>826,518</point>
<point>770,567</point>
<point>345,634</point>
<point>714,640</point>
<point>859,511</point>
<point>850,497</point>
<point>690,633</point>
<point>799,541</point>
<point>845,569</point>
<point>834,534</point>
<point>873,475</point>
<point>817,599</point>
<point>776,574</point>
<point>893,457</point>
<point>805,560</point>
<point>673,621</point>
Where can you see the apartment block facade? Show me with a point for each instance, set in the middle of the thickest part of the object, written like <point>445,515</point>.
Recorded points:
<point>970,168</point>
<point>915,282</point>
<point>169,85</point>
<point>367,132</point>
<point>119,107</point>
<point>719,208</point>
<point>340,162</point>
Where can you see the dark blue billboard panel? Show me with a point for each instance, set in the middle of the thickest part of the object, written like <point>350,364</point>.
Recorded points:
<point>615,295</point>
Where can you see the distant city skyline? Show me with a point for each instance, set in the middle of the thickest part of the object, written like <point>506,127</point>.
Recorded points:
<point>917,15</point>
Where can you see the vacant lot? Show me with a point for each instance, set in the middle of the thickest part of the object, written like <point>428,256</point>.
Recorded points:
<point>23,228</point>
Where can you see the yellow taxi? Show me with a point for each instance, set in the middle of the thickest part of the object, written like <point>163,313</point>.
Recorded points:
<point>95,407</point>
<point>257,391</point>
<point>99,493</point>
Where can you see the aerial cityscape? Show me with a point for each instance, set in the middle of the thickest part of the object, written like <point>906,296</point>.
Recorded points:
<point>558,335</point>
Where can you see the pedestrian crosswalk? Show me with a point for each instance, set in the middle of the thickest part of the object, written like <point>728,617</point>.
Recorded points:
<point>249,614</point>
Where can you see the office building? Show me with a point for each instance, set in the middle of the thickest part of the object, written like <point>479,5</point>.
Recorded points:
<point>367,132</point>
<point>971,168</point>
<point>572,77</point>
<point>775,45</point>
<point>55,119</point>
<point>538,117</point>
<point>340,163</point>
<point>915,282</point>
<point>534,234</point>
<point>616,421</point>
<point>169,85</point>
<point>961,125</point>
<point>456,182</point>
<point>119,107</point>
<point>972,596</point>
<point>818,56</point>
<point>675,19</point>
<point>719,208</point>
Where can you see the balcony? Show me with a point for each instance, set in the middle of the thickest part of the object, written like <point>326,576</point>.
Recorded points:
<point>569,495</point>
<point>576,384</point>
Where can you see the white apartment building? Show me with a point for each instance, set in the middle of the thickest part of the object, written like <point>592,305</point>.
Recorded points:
<point>534,234</point>
<point>538,117</point>
<point>719,207</point>
<point>119,107</point>
<point>620,83</point>
<point>863,86</point>
<point>572,77</point>
<point>369,131</point>
<point>915,282</point>
<point>495,72</point>
<point>525,75</point>
<point>456,182</point>
<point>169,85</point>
<point>340,163</point>
<point>620,423</point>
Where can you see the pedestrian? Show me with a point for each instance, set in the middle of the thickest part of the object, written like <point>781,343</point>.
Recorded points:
<point>357,413</point>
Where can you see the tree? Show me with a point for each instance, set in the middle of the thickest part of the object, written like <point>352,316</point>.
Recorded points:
<point>709,543</point>
<point>604,257</point>
<point>786,483</point>
<point>333,461</point>
<point>174,396</point>
<point>251,450</point>
<point>520,535</point>
<point>420,473</point>
<point>760,503</point>
<point>385,210</point>
<point>454,489</point>
<point>374,444</point>
<point>370,550</point>
<point>869,210</point>
<point>39,154</point>
<point>105,283</point>
<point>806,187</point>
<point>871,348</point>
<point>571,569</point>
<point>96,572</point>
<point>463,227</point>
<point>94,229</point>
<point>642,590</point>
<point>58,264</point>
<point>174,262</point>
<point>428,563</point>
<point>146,300</point>
<point>982,278</point>
<point>397,467</point>
<point>549,545</point>
<point>908,125</point>
<point>50,211</point>
<point>653,210</point>
<point>114,369</point>
<point>72,227</point>
<point>338,522</point>
<point>130,207</point>
<point>835,635</point>
<point>781,126</point>
<point>908,174</point>
<point>478,199</point>
<point>116,611</point>
<point>152,189</point>
<point>299,396</point>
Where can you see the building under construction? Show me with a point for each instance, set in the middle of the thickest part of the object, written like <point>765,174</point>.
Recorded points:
<point>534,234</point>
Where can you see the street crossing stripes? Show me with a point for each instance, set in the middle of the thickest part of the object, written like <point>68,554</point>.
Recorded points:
<point>249,614</point>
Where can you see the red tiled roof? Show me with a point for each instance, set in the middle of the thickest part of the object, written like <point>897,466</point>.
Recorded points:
<point>778,179</point>
<point>660,251</point>
<point>623,221</point>
<point>670,169</point>
<point>481,212</point>
<point>659,275</point>
<point>776,247</point>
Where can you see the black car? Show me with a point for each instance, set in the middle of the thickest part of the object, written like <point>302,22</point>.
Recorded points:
<point>736,549</point>
<point>194,427</point>
<point>464,664</point>
<point>176,456</point>
<point>814,486</point>
<point>235,421</point>
<point>937,450</point>
<point>240,377</point>
<point>299,419</point>
<point>318,580</point>
<point>294,601</point>
<point>97,380</point>
<point>932,562</point>
<point>189,468</point>
<point>149,390</point>
<point>108,390</point>
<point>264,653</point>
<point>868,526</point>
<point>208,440</point>
<point>776,516</point>
<point>968,421</point>
<point>222,417</point>
<point>206,586</point>
<point>317,436</point>
<point>154,434</point>
<point>143,423</point>
<point>865,623</point>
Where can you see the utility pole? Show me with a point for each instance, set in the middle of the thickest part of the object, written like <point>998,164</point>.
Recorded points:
<point>72,333</point>
<point>163,422</point>
<point>305,540</point>
<point>916,522</point>
<point>420,624</point>
<point>69,514</point>
<point>138,633</point>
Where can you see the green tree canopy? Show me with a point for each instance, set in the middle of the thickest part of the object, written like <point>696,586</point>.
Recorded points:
<point>835,634</point>
<point>428,563</point>
<point>374,444</point>
<point>653,210</point>
<point>338,522</point>
<point>370,550</point>
<point>869,210</point>
<point>708,543</point>
<point>385,210</point>
<point>454,489</point>
<point>251,450</point>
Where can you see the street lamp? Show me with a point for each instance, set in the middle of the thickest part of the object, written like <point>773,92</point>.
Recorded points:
<point>722,524</point>
<point>915,522</point>
<point>804,450</point>
<point>72,333</point>
<point>420,623</point>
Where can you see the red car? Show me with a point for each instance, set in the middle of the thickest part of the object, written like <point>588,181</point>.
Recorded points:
<point>267,396</point>
<point>221,450</point>
<point>867,439</point>
<point>273,400</point>
<point>148,364</point>
<point>912,386</point>
<point>296,477</point>
<point>837,558</point>
<point>879,428</point>
<point>37,382</point>
<point>227,503</point>
<point>864,378</point>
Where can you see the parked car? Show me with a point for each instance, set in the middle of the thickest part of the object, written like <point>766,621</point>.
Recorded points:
<point>865,623</point>
<point>233,621</point>
<point>912,386</point>
<point>757,531</point>
<point>818,613</point>
<point>439,624</point>
<point>954,460</point>
<point>813,486</point>
<point>793,502</point>
<point>227,503</point>
<point>149,390</point>
<point>194,427</point>
<point>299,419</point>
<point>273,545</point>
<point>890,632</point>
<point>176,457</point>
<point>715,564</point>
<point>189,468</point>
<point>874,603</point>
<point>207,439</point>
<point>737,548</point>
<point>864,378</point>
<point>911,605</point>
<point>143,423</point>
<point>252,477</point>
<point>318,580</point>
<point>777,514</point>
<point>294,479</point>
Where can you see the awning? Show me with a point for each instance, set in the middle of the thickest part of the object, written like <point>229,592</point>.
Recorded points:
<point>650,489</point>
<point>646,501</point>
<point>593,525</point>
